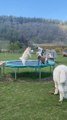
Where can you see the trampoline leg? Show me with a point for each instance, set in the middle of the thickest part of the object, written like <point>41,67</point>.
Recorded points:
<point>50,68</point>
<point>39,73</point>
<point>15,75</point>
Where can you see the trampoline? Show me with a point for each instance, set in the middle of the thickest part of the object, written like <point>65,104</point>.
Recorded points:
<point>29,64</point>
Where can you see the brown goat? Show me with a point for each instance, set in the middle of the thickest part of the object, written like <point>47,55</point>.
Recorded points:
<point>42,59</point>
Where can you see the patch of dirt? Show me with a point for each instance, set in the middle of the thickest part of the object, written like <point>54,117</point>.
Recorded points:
<point>47,79</point>
<point>6,78</point>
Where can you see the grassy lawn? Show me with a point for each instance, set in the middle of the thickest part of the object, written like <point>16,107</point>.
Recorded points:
<point>27,98</point>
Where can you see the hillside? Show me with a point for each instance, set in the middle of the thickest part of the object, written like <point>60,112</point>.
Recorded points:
<point>32,30</point>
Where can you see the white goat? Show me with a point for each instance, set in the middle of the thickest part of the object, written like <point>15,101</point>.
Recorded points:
<point>60,81</point>
<point>26,54</point>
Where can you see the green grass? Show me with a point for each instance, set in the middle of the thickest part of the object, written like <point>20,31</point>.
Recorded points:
<point>30,101</point>
<point>28,98</point>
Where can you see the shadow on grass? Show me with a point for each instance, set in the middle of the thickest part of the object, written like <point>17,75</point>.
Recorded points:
<point>34,76</point>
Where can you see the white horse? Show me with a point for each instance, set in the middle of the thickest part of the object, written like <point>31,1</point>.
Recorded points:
<point>60,81</point>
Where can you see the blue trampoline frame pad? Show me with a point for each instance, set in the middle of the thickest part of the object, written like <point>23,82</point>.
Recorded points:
<point>29,64</point>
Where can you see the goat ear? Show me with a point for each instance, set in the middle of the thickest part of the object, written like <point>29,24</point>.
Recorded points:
<point>62,77</point>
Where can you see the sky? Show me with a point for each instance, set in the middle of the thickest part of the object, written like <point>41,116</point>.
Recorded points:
<point>48,9</point>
